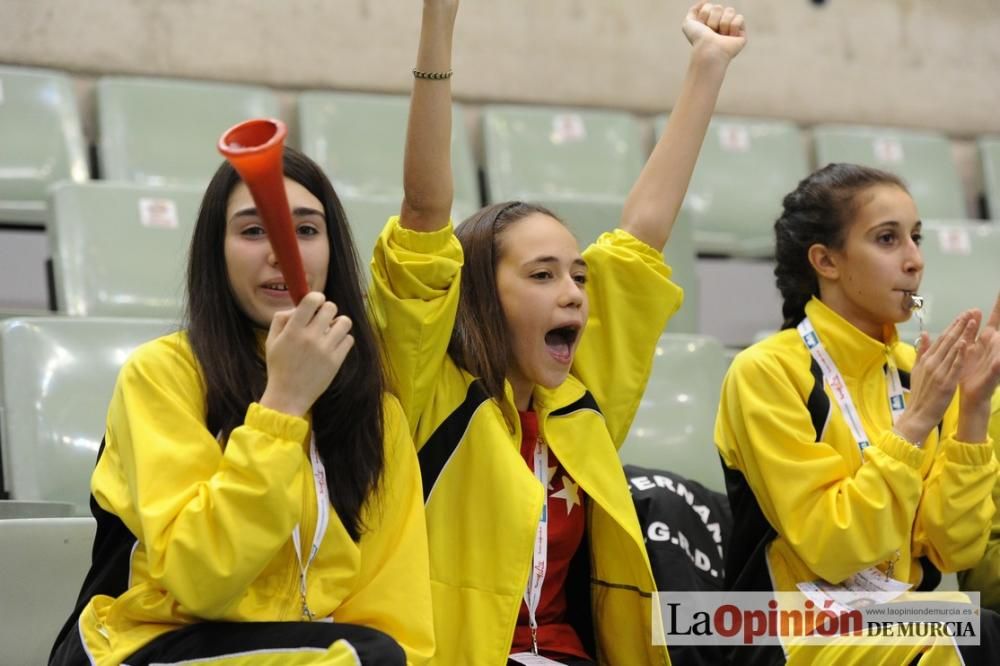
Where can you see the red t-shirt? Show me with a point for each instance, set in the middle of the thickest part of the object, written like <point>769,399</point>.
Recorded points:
<point>556,638</point>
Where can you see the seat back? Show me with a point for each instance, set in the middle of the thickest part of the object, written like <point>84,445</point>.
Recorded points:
<point>43,566</point>
<point>674,425</point>
<point>358,139</point>
<point>961,271</point>
<point>40,140</point>
<point>165,131</point>
<point>922,159</point>
<point>744,170</point>
<point>554,155</point>
<point>120,249</point>
<point>56,379</point>
<point>367,218</point>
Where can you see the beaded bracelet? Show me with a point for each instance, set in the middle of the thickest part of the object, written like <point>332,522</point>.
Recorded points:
<point>432,76</point>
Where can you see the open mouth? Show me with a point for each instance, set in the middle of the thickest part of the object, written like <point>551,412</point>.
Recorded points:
<point>275,286</point>
<point>560,342</point>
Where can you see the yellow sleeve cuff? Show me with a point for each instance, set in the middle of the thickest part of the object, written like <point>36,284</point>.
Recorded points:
<point>622,238</point>
<point>277,424</point>
<point>422,242</point>
<point>902,450</point>
<point>963,453</point>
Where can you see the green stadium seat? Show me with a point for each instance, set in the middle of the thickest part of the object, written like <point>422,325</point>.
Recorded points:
<point>922,159</point>
<point>961,271</point>
<point>674,425</point>
<point>56,379</point>
<point>164,132</point>
<point>745,168</point>
<point>555,155</point>
<point>44,564</point>
<point>358,139</point>
<point>120,249</point>
<point>367,218</point>
<point>581,165</point>
<point>40,141</point>
<point>989,156</point>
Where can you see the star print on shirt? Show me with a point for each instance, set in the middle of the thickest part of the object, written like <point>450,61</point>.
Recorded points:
<point>551,475</point>
<point>570,493</point>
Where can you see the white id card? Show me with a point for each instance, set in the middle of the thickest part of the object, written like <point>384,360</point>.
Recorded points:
<point>865,588</point>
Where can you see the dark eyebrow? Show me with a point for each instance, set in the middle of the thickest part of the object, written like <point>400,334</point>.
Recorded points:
<point>554,260</point>
<point>896,224</point>
<point>301,211</point>
<point>244,212</point>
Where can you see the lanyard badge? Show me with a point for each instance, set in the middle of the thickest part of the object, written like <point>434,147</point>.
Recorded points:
<point>833,379</point>
<point>540,554</point>
<point>322,522</point>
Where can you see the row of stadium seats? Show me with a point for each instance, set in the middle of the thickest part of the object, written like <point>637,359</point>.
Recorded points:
<point>156,145</point>
<point>57,375</point>
<point>57,372</point>
<point>119,250</point>
<point>583,163</point>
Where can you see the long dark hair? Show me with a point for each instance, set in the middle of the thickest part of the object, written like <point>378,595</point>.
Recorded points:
<point>480,342</point>
<point>347,418</point>
<point>819,211</point>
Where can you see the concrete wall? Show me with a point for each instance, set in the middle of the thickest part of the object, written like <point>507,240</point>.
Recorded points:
<point>916,63</point>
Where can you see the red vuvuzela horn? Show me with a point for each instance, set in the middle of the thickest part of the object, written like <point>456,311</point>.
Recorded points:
<point>255,148</point>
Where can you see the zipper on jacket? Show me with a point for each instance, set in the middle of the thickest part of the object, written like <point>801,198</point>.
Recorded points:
<point>103,631</point>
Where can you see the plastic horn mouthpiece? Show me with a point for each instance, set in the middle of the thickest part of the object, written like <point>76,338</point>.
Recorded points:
<point>255,149</point>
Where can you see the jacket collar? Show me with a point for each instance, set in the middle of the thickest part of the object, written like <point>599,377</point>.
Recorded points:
<point>545,400</point>
<point>853,351</point>
<point>548,400</point>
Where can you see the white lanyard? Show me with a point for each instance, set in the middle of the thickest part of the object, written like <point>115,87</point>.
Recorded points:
<point>322,521</point>
<point>540,556</point>
<point>833,379</point>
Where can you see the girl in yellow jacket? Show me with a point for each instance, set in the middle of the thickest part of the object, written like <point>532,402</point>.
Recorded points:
<point>519,363</point>
<point>846,451</point>
<point>257,494</point>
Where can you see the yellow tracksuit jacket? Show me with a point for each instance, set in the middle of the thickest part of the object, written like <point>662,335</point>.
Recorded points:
<point>805,505</point>
<point>985,576</point>
<point>211,528</point>
<point>482,501</point>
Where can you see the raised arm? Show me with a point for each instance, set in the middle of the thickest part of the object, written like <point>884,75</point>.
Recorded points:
<point>717,34</point>
<point>416,273</point>
<point>427,179</point>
